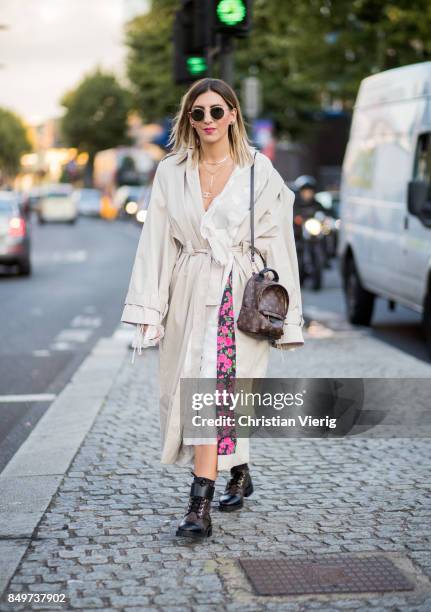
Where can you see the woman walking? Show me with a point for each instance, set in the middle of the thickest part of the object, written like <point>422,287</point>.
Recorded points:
<point>189,274</point>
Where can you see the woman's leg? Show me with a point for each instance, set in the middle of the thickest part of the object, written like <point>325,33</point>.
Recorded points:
<point>206,460</point>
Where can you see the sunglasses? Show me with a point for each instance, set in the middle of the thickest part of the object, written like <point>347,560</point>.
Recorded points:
<point>198,114</point>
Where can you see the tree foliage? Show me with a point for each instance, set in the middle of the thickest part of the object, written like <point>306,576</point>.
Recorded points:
<point>96,113</point>
<point>13,142</point>
<point>307,53</point>
<point>149,62</point>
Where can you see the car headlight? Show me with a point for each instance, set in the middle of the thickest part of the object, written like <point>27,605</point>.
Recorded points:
<point>313,226</point>
<point>140,216</point>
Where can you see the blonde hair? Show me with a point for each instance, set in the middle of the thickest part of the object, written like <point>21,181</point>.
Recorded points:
<point>183,136</point>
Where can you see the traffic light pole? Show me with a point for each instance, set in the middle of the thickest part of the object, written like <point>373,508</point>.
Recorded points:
<point>226,59</point>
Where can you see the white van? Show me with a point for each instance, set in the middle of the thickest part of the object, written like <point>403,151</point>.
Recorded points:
<point>385,196</point>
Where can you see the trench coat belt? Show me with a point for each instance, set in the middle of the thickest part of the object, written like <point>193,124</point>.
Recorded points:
<point>209,292</point>
<point>211,272</point>
<point>190,250</point>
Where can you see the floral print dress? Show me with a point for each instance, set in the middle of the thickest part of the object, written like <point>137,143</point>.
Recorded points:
<point>226,368</point>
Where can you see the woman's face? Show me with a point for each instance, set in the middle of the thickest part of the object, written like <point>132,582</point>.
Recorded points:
<point>211,130</point>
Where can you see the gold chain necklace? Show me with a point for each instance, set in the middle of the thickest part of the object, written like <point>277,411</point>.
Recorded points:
<point>208,193</point>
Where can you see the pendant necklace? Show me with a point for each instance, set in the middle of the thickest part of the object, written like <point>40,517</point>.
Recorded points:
<point>207,194</point>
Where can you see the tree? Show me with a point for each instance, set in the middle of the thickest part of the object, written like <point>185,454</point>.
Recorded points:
<point>332,45</point>
<point>308,54</point>
<point>13,143</point>
<point>149,61</point>
<point>96,115</point>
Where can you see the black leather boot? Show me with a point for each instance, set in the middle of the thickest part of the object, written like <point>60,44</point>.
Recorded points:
<point>196,523</point>
<point>239,486</point>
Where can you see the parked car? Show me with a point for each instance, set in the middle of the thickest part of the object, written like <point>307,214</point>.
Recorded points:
<point>56,204</point>
<point>385,196</point>
<point>14,234</point>
<point>88,201</point>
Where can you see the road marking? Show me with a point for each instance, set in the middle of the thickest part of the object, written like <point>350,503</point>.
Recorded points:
<point>62,257</point>
<point>74,335</point>
<point>61,346</point>
<point>41,353</point>
<point>39,397</point>
<point>82,321</point>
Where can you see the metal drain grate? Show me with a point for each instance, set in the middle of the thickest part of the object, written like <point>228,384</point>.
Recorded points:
<point>324,574</point>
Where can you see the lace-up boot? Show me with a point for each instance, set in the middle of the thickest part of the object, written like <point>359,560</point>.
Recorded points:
<point>196,523</point>
<point>239,486</point>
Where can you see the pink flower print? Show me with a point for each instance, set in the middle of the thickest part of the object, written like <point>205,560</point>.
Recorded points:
<point>226,368</point>
<point>228,446</point>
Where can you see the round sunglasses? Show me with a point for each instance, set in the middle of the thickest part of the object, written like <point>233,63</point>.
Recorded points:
<point>198,114</point>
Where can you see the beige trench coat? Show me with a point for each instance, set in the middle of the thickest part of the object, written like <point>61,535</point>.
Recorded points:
<point>174,278</point>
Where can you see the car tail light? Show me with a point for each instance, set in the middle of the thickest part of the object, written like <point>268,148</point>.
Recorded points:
<point>298,220</point>
<point>17,227</point>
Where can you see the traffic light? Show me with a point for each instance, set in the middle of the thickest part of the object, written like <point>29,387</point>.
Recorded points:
<point>192,39</point>
<point>232,17</point>
<point>201,26</point>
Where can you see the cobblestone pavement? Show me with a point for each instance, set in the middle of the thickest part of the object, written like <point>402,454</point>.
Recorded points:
<point>107,540</point>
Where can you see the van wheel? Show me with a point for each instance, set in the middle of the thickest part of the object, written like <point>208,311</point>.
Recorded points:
<point>426,322</point>
<point>359,301</point>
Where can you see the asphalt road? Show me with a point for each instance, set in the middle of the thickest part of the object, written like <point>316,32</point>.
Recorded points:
<point>51,320</point>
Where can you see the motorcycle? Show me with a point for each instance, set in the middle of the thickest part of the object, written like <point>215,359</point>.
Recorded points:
<point>309,238</point>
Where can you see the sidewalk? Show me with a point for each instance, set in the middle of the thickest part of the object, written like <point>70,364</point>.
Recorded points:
<point>106,540</point>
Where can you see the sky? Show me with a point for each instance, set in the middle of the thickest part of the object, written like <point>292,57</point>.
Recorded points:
<point>49,45</point>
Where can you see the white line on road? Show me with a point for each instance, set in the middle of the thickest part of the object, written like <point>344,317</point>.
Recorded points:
<point>74,335</point>
<point>40,397</point>
<point>83,321</point>
<point>61,257</point>
<point>61,346</point>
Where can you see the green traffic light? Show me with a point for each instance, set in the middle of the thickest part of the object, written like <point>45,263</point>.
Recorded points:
<point>231,12</point>
<point>196,65</point>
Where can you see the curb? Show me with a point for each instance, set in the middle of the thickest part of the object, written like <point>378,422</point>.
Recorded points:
<point>33,475</point>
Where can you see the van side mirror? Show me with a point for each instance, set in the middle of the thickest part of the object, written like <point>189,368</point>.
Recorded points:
<point>416,196</point>
<point>417,201</point>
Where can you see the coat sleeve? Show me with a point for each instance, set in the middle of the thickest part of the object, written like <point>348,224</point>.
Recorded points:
<point>148,293</point>
<point>280,254</point>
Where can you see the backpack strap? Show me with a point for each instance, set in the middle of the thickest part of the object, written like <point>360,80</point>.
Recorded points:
<point>252,207</point>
